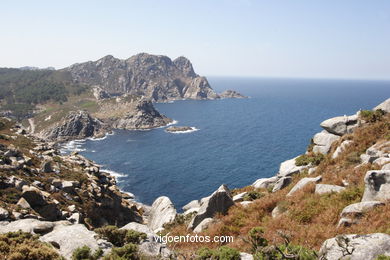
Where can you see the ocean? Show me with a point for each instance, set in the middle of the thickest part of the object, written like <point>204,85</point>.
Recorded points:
<point>238,140</point>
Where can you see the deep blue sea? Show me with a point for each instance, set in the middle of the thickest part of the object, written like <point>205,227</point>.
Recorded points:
<point>239,140</point>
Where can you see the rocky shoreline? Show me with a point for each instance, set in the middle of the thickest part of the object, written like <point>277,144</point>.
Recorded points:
<point>64,198</point>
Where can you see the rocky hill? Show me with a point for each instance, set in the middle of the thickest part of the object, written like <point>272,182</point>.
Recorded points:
<point>153,76</point>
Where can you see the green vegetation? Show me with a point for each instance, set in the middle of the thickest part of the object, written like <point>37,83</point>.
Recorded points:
<point>21,90</point>
<point>128,251</point>
<point>383,257</point>
<point>25,246</point>
<point>222,253</point>
<point>312,158</point>
<point>262,250</point>
<point>85,253</point>
<point>253,195</point>
<point>120,237</point>
<point>372,116</point>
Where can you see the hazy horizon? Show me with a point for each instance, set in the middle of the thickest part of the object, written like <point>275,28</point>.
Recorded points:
<point>278,39</point>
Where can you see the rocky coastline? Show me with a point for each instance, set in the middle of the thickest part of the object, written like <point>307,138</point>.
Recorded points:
<point>70,194</point>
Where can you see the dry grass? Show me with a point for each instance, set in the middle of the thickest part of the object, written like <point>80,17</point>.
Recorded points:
<point>308,218</point>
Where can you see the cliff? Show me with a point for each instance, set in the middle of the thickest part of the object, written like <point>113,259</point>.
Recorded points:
<point>153,76</point>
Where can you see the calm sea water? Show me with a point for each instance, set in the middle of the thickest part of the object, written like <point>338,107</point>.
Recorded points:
<point>239,140</point>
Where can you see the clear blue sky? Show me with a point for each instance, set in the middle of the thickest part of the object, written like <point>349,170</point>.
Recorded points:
<point>311,38</point>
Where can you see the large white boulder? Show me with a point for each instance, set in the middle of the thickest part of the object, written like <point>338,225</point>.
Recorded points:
<point>323,141</point>
<point>71,237</point>
<point>377,185</point>
<point>288,168</point>
<point>219,202</point>
<point>385,106</point>
<point>264,183</point>
<point>356,247</point>
<point>302,183</point>
<point>162,211</point>
<point>340,125</point>
<point>151,246</point>
<point>327,188</point>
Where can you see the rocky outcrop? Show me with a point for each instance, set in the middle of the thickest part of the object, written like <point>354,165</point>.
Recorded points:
<point>99,93</point>
<point>353,212</point>
<point>340,125</point>
<point>385,106</point>
<point>162,212</point>
<point>153,76</point>
<point>264,183</point>
<point>377,186</point>
<point>323,141</point>
<point>327,188</point>
<point>231,94</point>
<point>356,247</point>
<point>219,202</point>
<point>76,125</point>
<point>140,115</point>
<point>70,237</point>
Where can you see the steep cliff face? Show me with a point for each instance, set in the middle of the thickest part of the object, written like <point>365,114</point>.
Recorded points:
<point>153,76</point>
<point>76,125</point>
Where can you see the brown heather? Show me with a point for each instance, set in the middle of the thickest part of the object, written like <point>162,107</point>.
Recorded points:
<point>309,219</point>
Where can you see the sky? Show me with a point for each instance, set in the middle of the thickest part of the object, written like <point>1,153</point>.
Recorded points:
<point>302,38</point>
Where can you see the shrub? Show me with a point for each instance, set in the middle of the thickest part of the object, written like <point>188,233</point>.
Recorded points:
<point>222,253</point>
<point>256,239</point>
<point>306,159</point>
<point>25,246</point>
<point>134,237</point>
<point>253,195</point>
<point>227,253</point>
<point>372,116</point>
<point>119,237</point>
<point>204,253</point>
<point>85,253</point>
<point>128,251</point>
<point>382,257</point>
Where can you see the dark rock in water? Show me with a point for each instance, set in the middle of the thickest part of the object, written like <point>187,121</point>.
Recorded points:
<point>231,94</point>
<point>77,125</point>
<point>174,129</point>
<point>154,76</point>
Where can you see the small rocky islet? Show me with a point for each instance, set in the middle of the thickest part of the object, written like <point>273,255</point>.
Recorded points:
<point>179,129</point>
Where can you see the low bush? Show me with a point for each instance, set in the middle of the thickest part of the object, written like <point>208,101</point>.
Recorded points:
<point>85,253</point>
<point>25,246</point>
<point>120,237</point>
<point>312,158</point>
<point>253,195</point>
<point>222,253</point>
<point>128,251</point>
<point>372,116</point>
